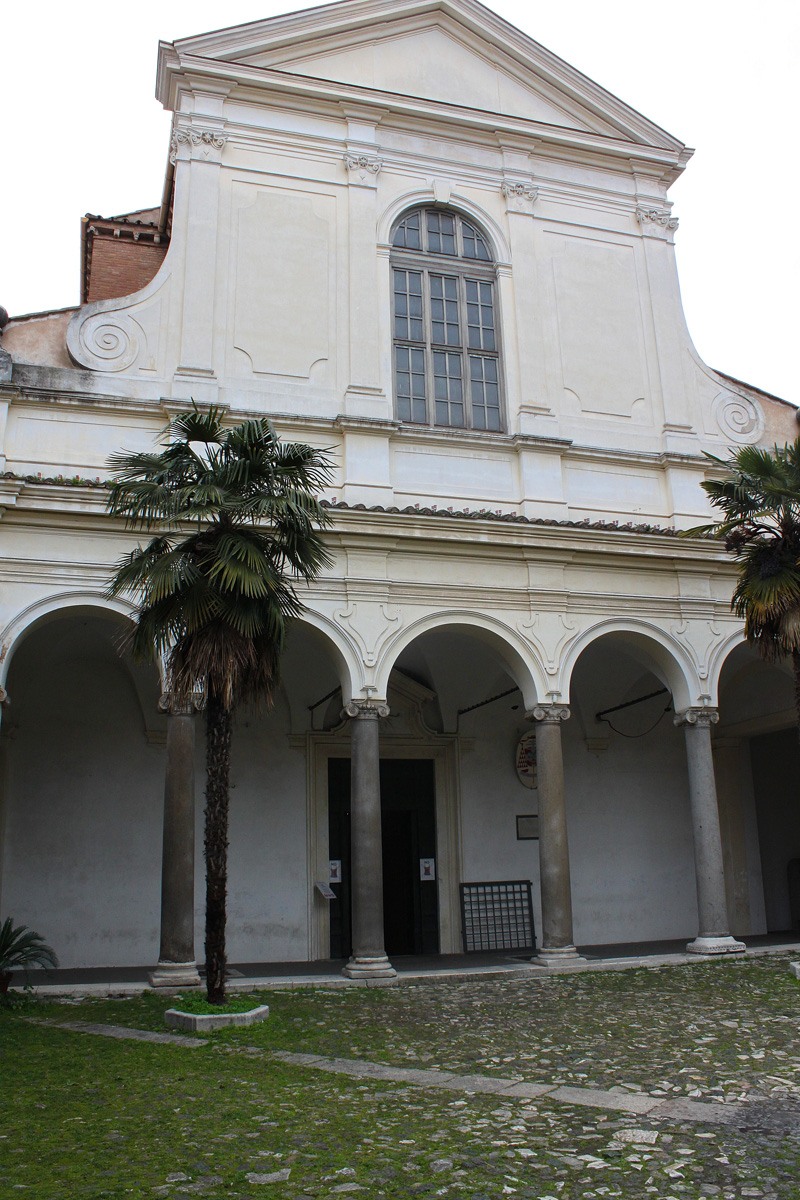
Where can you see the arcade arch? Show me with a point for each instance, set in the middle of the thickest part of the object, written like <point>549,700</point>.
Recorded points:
<point>757,767</point>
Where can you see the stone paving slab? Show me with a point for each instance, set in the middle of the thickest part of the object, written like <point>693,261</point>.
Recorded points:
<point>479,1083</point>
<point>640,1103</point>
<point>697,1110</point>
<point>529,1091</point>
<point>124,1033</point>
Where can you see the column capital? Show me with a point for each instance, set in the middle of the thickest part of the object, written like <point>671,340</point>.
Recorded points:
<point>548,714</point>
<point>699,717</point>
<point>366,710</point>
<point>184,706</point>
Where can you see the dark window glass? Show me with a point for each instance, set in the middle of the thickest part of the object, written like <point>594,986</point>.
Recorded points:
<point>447,369</point>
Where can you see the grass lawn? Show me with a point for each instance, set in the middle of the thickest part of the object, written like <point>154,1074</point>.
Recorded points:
<point>88,1116</point>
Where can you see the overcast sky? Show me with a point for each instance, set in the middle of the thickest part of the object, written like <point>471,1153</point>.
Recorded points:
<point>81,132</point>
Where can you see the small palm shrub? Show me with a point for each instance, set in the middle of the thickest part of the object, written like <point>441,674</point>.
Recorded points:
<point>20,949</point>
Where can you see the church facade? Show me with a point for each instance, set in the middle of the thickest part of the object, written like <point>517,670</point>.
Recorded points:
<point>405,232</point>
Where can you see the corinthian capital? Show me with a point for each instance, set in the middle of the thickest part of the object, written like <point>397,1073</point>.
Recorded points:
<point>548,714</point>
<point>205,139</point>
<point>362,166</point>
<point>181,706</point>
<point>656,216</point>
<point>699,717</point>
<point>366,710</point>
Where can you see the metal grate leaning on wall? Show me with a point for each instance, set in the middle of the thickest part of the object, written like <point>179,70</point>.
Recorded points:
<point>497,916</point>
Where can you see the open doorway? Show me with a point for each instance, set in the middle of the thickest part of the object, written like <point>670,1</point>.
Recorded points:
<point>408,817</point>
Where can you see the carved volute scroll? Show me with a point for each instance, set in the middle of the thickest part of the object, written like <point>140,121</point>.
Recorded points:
<point>366,710</point>
<point>698,717</point>
<point>548,714</point>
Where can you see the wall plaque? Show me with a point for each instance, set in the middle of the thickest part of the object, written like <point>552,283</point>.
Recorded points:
<point>527,827</point>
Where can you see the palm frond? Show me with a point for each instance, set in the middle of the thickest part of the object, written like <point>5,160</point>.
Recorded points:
<point>759,499</point>
<point>21,948</point>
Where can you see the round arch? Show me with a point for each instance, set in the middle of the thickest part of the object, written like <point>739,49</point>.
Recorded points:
<point>51,608</point>
<point>656,650</point>
<point>718,660</point>
<point>342,649</point>
<point>425,196</point>
<point>524,668</point>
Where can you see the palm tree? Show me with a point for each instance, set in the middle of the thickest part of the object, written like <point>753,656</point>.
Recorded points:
<point>21,948</point>
<point>760,501</point>
<point>236,523</point>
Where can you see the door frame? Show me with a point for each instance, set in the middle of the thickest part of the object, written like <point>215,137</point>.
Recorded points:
<point>445,752</point>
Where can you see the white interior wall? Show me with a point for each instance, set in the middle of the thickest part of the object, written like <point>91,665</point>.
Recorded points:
<point>82,854</point>
<point>267,864</point>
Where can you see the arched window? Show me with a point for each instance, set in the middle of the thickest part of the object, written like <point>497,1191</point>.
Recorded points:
<point>446,343</point>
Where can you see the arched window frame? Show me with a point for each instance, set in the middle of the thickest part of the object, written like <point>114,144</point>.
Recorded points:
<point>447,359</point>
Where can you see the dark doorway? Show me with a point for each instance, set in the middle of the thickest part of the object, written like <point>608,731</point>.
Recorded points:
<point>408,818</point>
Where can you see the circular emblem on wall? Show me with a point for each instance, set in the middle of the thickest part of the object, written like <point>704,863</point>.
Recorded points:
<point>738,418</point>
<point>526,759</point>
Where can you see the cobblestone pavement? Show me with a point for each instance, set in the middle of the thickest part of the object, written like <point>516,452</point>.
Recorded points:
<point>235,1121</point>
<point>716,1031</point>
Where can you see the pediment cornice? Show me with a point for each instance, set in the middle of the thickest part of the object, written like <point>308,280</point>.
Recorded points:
<point>279,40</point>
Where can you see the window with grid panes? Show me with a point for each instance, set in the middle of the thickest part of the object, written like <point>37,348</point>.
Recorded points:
<point>446,343</point>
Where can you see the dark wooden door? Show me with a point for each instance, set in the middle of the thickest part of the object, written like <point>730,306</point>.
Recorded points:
<point>408,818</point>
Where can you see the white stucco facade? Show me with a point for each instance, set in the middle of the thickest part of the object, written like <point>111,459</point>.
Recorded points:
<point>540,556</point>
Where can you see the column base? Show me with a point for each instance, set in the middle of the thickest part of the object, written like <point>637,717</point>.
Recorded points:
<point>174,975</point>
<point>716,945</point>
<point>377,971</point>
<point>558,956</point>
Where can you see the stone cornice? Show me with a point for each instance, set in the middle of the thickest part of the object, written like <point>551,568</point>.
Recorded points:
<point>325,95</point>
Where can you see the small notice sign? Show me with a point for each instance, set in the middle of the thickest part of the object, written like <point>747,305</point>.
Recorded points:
<point>335,870</point>
<point>325,890</point>
<point>427,868</point>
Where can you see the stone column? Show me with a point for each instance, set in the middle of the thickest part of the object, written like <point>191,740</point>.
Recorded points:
<point>557,946</point>
<point>368,961</point>
<point>714,935</point>
<point>176,960</point>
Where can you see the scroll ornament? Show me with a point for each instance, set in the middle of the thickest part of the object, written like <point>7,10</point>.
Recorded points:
<point>196,137</point>
<point>739,418</point>
<point>107,342</point>
<point>656,216</point>
<point>362,165</point>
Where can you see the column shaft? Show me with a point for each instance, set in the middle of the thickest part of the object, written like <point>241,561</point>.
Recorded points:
<point>554,874</point>
<point>369,959</point>
<point>176,959</point>
<point>714,933</point>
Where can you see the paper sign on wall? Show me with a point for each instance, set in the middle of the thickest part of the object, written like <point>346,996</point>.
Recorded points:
<point>427,868</point>
<point>335,870</point>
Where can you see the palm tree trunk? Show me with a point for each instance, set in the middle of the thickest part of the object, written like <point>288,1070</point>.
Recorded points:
<point>796,667</point>
<point>218,762</point>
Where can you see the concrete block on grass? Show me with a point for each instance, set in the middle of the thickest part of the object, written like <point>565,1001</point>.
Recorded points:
<point>204,1022</point>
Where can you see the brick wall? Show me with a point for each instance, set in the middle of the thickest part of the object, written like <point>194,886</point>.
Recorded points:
<point>120,266</point>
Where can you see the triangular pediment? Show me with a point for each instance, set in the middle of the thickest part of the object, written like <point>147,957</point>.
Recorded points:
<point>454,52</point>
